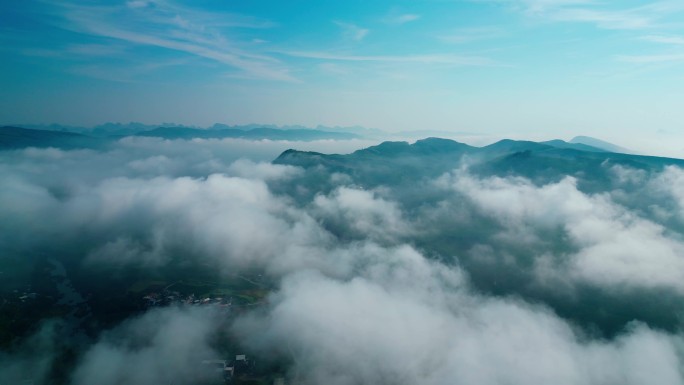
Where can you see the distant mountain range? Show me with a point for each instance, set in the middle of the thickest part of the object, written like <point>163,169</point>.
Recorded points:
<point>102,136</point>
<point>134,128</point>
<point>395,163</point>
<point>18,137</point>
<point>254,133</point>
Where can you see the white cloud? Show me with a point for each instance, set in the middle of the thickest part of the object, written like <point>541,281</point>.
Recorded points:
<point>471,34</point>
<point>605,19</point>
<point>246,168</point>
<point>362,213</point>
<point>162,346</point>
<point>352,31</point>
<point>664,39</point>
<point>652,59</point>
<point>601,14</point>
<point>139,3</point>
<point>358,299</point>
<point>148,198</point>
<point>616,248</point>
<point>671,184</point>
<point>415,325</point>
<point>175,28</point>
<point>428,59</point>
<point>402,18</point>
<point>540,6</point>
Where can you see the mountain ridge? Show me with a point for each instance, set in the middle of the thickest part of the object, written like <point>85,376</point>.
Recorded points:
<point>598,143</point>
<point>17,137</point>
<point>395,162</point>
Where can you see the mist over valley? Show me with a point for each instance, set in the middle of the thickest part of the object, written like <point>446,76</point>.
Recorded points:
<point>518,261</point>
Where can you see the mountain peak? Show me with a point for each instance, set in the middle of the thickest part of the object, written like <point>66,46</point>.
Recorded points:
<point>558,143</point>
<point>440,145</point>
<point>386,149</point>
<point>600,144</point>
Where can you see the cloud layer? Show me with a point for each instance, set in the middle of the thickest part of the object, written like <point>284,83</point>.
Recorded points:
<point>459,279</point>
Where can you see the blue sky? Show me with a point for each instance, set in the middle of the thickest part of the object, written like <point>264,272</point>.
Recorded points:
<point>519,68</point>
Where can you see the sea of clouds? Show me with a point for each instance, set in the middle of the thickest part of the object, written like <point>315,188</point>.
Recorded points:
<point>489,280</point>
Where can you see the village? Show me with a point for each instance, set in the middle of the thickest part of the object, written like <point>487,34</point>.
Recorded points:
<point>170,298</point>
<point>200,293</point>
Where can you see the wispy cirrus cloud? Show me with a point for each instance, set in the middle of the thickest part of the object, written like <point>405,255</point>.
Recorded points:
<point>352,31</point>
<point>601,14</point>
<point>540,6</point>
<point>468,35</point>
<point>605,19</point>
<point>652,59</point>
<point>672,55</point>
<point>402,18</point>
<point>176,28</point>
<point>448,59</point>
<point>77,51</point>
<point>95,49</point>
<point>129,74</point>
<point>664,39</point>
<point>138,3</point>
